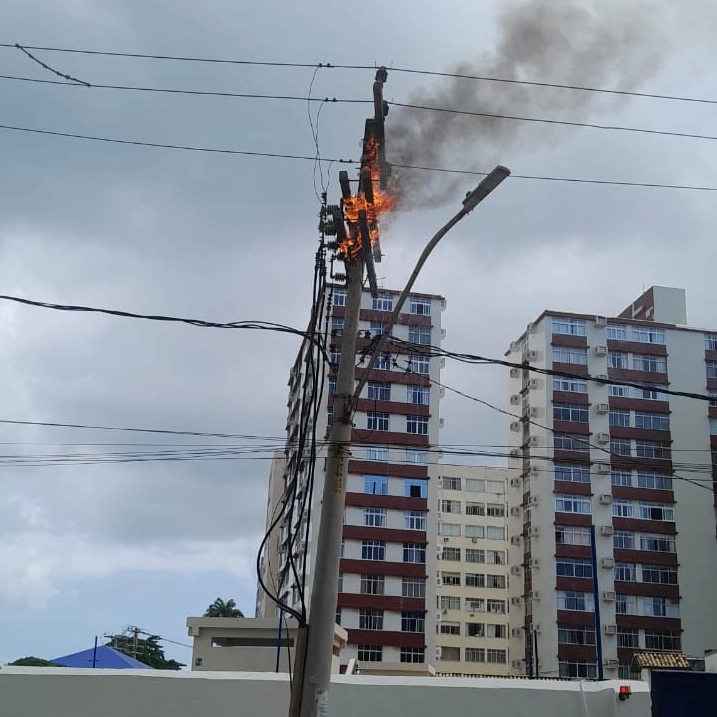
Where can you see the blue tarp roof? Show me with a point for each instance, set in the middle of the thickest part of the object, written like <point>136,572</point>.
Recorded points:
<point>107,657</point>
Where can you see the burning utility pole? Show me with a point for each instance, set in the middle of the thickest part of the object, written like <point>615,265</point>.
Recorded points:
<point>355,225</point>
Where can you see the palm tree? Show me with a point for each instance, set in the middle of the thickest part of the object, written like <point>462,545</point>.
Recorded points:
<point>221,608</point>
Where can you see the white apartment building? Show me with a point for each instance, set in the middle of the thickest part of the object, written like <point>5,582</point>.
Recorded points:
<point>632,461</point>
<point>385,599</point>
<point>472,578</point>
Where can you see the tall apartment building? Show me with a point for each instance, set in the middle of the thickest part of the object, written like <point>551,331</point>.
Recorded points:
<point>385,602</point>
<point>619,458</point>
<point>472,578</point>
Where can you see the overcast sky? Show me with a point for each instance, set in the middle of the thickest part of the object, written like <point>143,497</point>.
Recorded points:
<point>88,549</point>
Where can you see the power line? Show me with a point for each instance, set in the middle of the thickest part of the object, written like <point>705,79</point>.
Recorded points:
<point>341,160</point>
<point>406,70</point>
<point>51,69</point>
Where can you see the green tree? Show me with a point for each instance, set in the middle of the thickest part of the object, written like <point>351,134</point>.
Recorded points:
<point>33,662</point>
<point>146,650</point>
<point>221,608</point>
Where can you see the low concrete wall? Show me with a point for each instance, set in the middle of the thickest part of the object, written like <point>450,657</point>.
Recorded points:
<point>57,692</point>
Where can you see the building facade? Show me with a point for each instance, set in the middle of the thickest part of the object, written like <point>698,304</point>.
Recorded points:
<point>632,461</point>
<point>385,601</point>
<point>472,578</point>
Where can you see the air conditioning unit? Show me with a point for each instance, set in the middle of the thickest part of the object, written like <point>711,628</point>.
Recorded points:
<point>438,581</point>
<point>600,321</point>
<point>603,437</point>
<point>515,345</point>
<point>536,626</point>
<point>535,384</point>
<point>606,530</point>
<point>534,595</point>
<point>516,632</point>
<point>441,422</point>
<point>533,471</point>
<point>532,328</point>
<point>517,664</point>
<point>515,540</point>
<point>608,596</point>
<point>535,563</point>
<point>612,664</point>
<point>515,511</point>
<point>474,540</point>
<point>533,500</point>
<point>603,408</point>
<point>515,373</point>
<point>601,377</point>
<point>446,539</point>
<point>438,653</point>
<point>605,499</point>
<point>516,426</point>
<point>610,629</point>
<point>533,355</point>
<point>445,611</point>
<point>515,400</point>
<point>515,482</point>
<point>439,514</point>
<point>601,350</point>
<point>441,391</point>
<point>534,531</point>
<point>534,412</point>
<point>534,441</point>
<point>607,563</point>
<point>515,569</point>
<point>439,616</point>
<point>515,601</point>
<point>603,468</point>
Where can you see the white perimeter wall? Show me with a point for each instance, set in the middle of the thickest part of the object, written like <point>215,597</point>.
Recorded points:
<point>64,692</point>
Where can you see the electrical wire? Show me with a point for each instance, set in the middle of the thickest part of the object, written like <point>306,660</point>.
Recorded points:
<point>341,160</point>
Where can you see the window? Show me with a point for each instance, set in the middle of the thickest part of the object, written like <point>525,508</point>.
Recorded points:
<point>565,442</point>
<point>337,326</point>
<point>450,578</point>
<point>616,332</point>
<point>451,554</point>
<point>377,328</point>
<point>711,369</point>
<point>377,453</point>
<point>572,535</point>
<point>475,531</point>
<point>654,421</point>
<point>628,637</point>
<point>493,630</point>
<point>652,364</point>
<point>413,621</point>
<point>663,640</point>
<point>474,555</point>
<point>450,506</point>
<point>419,335</point>
<point>648,335</point>
<point>475,629</point>
<point>626,605</point>
<point>370,619</point>
<point>572,504</point>
<point>496,657</point>
<point>617,359</point>
<point>570,412</point>
<point>576,635</point>
<point>384,362</point>
<point>452,530</point>
<point>652,449</point>
<point>474,605</point>
<point>450,654</point>
<point>475,509</point>
<point>416,457</point>
<point>648,393</point>
<point>417,394</point>
<point>383,302</point>
<point>370,653</point>
<point>571,600</point>
<point>623,509</point>
<point>332,386</point>
<point>623,539</point>
<point>373,550</point>
<point>414,520</point>
<point>414,553</point>
<point>449,628</point>
<point>660,607</point>
<point>656,481</point>
<point>659,574</point>
<point>657,543</point>
<point>375,485</point>
<point>474,654</point>
<point>572,474</point>
<point>374,517</point>
<point>495,557</point>
<point>495,606</point>
<point>620,446</point>
<point>413,654</point>
<point>339,297</point>
<point>570,385</point>
<point>419,364</point>
<point>372,584</point>
<point>475,580</point>
<point>415,488</point>
<point>413,587</point>
<point>625,572</point>
<point>619,391</point>
<point>657,511</point>
<point>495,510</point>
<point>495,532</point>
<point>562,354</point>
<point>620,418</point>
<point>475,485</point>
<point>618,477</point>
<point>711,342</point>
<point>417,424</point>
<point>335,355</point>
<point>572,327</point>
<point>422,307</point>
<point>377,421</point>
<point>379,391</point>
<point>450,602</point>
<point>451,483</point>
<point>573,568</point>
<point>496,582</point>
